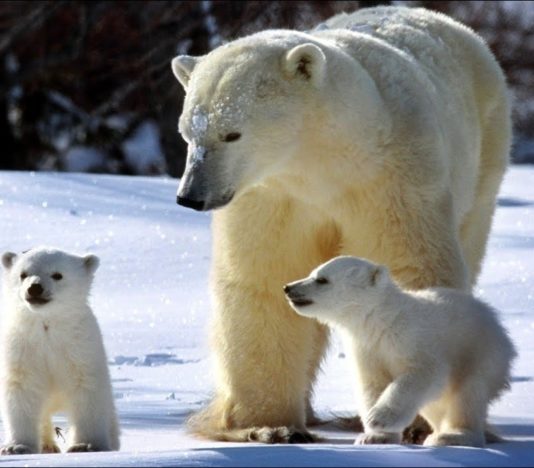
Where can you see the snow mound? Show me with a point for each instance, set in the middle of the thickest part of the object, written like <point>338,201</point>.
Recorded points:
<point>152,301</point>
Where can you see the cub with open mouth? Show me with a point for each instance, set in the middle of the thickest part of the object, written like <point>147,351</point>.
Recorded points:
<point>438,352</point>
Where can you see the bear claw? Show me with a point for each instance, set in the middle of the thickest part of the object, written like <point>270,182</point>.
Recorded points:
<point>82,447</point>
<point>16,449</point>
<point>280,435</point>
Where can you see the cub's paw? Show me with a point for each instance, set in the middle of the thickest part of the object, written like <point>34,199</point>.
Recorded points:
<point>378,438</point>
<point>16,449</point>
<point>280,435</point>
<point>384,419</point>
<point>82,447</point>
<point>464,438</point>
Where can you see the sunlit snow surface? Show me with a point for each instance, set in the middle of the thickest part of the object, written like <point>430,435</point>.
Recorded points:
<point>151,299</point>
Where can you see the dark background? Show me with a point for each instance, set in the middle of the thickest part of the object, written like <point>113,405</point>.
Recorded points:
<point>87,86</point>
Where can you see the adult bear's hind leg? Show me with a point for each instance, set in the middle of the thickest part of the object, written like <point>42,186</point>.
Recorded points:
<point>496,136</point>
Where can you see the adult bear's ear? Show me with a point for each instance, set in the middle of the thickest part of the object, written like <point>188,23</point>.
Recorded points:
<point>306,61</point>
<point>182,67</point>
<point>8,259</point>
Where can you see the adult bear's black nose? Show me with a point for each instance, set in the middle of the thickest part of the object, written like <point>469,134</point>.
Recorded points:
<point>287,288</point>
<point>35,290</point>
<point>188,203</point>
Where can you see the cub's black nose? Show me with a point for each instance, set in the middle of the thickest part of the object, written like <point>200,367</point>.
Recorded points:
<point>35,290</point>
<point>188,203</point>
<point>287,288</point>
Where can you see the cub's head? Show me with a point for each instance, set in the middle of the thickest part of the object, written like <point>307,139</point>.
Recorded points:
<point>243,113</point>
<point>338,288</point>
<point>44,277</point>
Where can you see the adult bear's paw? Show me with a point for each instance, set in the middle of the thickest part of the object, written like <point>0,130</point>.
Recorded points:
<point>280,435</point>
<point>16,449</point>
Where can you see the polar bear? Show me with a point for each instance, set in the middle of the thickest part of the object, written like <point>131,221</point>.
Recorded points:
<point>52,355</point>
<point>437,351</point>
<point>384,134</point>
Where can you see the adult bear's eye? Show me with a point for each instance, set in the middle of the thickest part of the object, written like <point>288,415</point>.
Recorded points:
<point>23,275</point>
<point>322,280</point>
<point>57,276</point>
<point>233,136</point>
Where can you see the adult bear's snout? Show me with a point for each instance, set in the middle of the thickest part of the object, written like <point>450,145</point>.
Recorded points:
<point>189,203</point>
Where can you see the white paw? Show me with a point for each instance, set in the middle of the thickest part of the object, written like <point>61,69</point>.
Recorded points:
<point>16,449</point>
<point>465,439</point>
<point>378,438</point>
<point>383,419</point>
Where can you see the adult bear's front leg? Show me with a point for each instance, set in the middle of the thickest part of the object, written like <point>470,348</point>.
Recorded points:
<point>264,351</point>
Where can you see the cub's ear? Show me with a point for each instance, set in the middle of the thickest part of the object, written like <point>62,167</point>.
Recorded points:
<point>379,276</point>
<point>182,67</point>
<point>91,263</point>
<point>306,61</point>
<point>8,259</point>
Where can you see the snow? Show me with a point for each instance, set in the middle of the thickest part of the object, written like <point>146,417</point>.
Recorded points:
<point>119,122</point>
<point>523,149</point>
<point>151,299</point>
<point>210,24</point>
<point>143,151</point>
<point>199,128</point>
<point>199,123</point>
<point>197,154</point>
<point>83,159</point>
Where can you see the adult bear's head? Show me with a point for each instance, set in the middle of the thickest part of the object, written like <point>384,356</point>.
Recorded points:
<point>244,113</point>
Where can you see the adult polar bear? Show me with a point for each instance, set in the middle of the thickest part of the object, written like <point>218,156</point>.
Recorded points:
<point>383,134</point>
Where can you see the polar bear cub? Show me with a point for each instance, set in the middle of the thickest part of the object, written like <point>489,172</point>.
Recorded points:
<point>438,352</point>
<point>52,355</point>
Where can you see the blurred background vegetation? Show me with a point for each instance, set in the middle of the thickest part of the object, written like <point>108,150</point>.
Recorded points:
<point>87,85</point>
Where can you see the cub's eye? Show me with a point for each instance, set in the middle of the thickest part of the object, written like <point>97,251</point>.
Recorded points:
<point>57,276</point>
<point>322,280</point>
<point>23,275</point>
<point>234,136</point>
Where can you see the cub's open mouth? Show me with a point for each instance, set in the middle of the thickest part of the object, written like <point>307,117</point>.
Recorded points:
<point>37,300</point>
<point>301,301</point>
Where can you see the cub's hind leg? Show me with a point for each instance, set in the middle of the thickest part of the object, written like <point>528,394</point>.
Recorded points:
<point>464,421</point>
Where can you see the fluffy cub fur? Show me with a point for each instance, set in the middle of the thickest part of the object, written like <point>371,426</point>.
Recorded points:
<point>52,355</point>
<point>439,352</point>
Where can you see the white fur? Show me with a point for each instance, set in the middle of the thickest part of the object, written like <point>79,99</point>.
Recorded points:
<point>52,356</point>
<point>437,351</point>
<point>387,142</point>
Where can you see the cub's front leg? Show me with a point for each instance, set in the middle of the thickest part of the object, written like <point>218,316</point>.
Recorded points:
<point>21,407</point>
<point>399,403</point>
<point>370,385</point>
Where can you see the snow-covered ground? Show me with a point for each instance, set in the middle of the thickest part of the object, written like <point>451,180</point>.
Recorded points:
<point>151,298</point>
